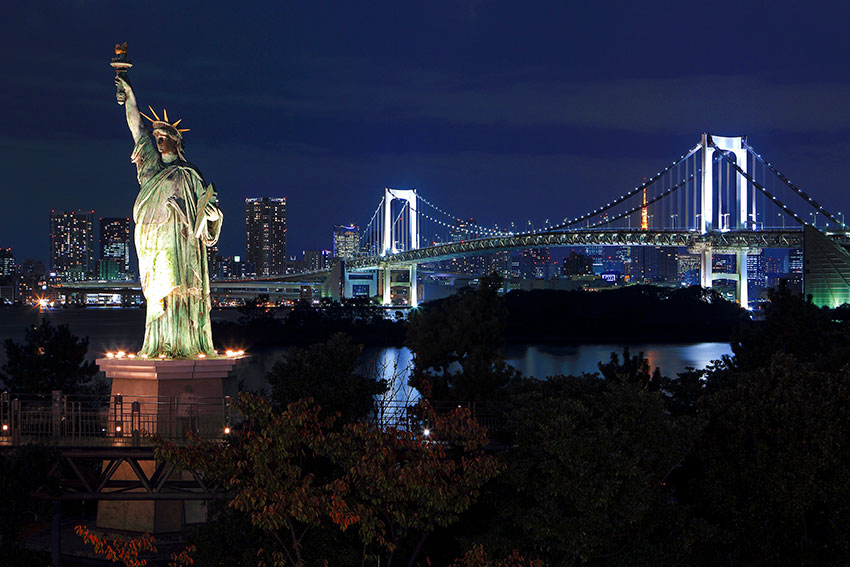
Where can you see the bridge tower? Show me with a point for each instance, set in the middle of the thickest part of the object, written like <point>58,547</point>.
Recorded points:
<point>729,216</point>
<point>391,238</point>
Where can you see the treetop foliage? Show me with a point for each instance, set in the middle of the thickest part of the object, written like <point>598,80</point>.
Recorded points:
<point>50,358</point>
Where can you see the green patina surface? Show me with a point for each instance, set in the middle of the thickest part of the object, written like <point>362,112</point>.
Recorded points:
<point>176,219</point>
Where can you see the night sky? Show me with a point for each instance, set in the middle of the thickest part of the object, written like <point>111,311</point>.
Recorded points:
<point>498,110</point>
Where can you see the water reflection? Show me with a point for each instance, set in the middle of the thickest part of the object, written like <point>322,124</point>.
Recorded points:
<point>541,361</point>
<point>393,365</point>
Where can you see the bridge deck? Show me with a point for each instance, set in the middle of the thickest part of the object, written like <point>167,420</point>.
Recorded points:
<point>719,241</point>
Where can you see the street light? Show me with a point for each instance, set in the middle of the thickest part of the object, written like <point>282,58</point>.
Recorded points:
<point>673,219</point>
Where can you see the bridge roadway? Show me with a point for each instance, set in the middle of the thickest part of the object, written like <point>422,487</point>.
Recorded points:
<point>718,241</point>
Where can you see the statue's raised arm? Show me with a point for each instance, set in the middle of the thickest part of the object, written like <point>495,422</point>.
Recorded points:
<point>134,119</point>
<point>124,92</point>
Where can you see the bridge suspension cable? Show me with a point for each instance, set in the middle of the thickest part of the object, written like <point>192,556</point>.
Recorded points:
<point>371,221</point>
<point>759,186</point>
<point>630,194</point>
<point>478,229</point>
<point>793,187</point>
<point>635,209</point>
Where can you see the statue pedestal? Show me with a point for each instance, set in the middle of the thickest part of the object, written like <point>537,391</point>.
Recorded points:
<point>169,398</point>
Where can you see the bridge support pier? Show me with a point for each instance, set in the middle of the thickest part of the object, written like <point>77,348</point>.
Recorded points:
<point>707,274</point>
<point>386,295</point>
<point>413,286</point>
<point>413,296</point>
<point>705,266</point>
<point>743,291</point>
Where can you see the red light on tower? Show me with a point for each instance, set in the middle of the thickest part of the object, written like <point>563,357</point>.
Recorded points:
<point>644,217</point>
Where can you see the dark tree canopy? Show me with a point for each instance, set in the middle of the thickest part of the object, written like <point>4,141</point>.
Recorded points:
<point>50,358</point>
<point>795,326</point>
<point>329,374</point>
<point>458,344</point>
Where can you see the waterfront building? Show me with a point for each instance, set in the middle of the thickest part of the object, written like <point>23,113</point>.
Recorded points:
<point>346,241</point>
<point>265,235</point>
<point>577,265</point>
<point>795,270</point>
<point>316,260</point>
<point>7,263</point>
<point>213,261</point>
<point>535,263</point>
<point>500,263</point>
<point>72,244</point>
<point>8,276</point>
<point>688,268</point>
<point>756,275</point>
<point>114,263</point>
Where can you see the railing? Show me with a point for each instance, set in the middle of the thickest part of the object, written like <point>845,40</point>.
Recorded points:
<point>405,415</point>
<point>116,420</point>
<point>131,421</point>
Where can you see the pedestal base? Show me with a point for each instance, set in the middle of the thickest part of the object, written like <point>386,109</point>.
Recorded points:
<point>168,398</point>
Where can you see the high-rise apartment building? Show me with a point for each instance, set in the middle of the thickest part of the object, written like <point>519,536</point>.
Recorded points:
<point>577,265</point>
<point>8,268</point>
<point>315,260</point>
<point>8,276</point>
<point>72,244</point>
<point>346,241</point>
<point>756,274</point>
<point>114,263</point>
<point>473,265</point>
<point>265,235</point>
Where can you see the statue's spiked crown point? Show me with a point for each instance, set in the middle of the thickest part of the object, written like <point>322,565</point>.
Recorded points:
<point>163,123</point>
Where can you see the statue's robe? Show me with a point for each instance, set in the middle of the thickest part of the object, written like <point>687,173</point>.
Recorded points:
<point>172,233</point>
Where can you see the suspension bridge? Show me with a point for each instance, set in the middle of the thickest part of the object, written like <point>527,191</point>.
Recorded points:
<point>721,197</point>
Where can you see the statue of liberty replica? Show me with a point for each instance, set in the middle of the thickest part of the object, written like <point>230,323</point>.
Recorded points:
<point>177,218</point>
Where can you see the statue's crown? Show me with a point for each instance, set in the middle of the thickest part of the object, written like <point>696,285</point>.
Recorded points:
<point>164,124</point>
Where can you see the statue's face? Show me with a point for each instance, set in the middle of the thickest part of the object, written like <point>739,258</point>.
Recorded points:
<point>165,144</point>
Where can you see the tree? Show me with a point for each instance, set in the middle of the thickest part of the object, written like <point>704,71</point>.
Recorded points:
<point>771,466</point>
<point>22,471</point>
<point>794,326</point>
<point>586,466</point>
<point>633,370</point>
<point>269,468</point>
<point>458,345</point>
<point>293,474</point>
<point>50,358</point>
<point>328,373</point>
<point>477,556</point>
<point>405,484</point>
<point>129,551</point>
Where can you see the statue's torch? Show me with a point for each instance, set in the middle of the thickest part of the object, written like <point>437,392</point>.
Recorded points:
<point>121,65</point>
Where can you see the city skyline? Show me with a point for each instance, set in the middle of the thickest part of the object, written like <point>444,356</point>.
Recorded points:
<point>496,112</point>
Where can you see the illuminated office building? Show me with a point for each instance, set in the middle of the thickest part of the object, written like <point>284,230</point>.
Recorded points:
<point>265,235</point>
<point>72,244</point>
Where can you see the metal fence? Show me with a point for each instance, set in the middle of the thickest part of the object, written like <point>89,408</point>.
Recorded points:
<point>407,416</point>
<point>131,421</point>
<point>116,420</point>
